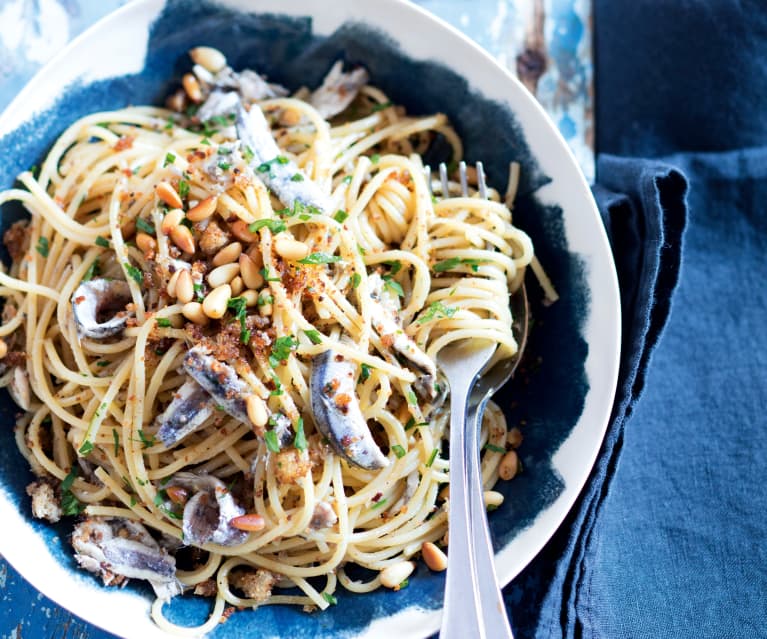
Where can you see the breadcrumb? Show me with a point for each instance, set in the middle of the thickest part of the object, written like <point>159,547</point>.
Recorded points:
<point>45,504</point>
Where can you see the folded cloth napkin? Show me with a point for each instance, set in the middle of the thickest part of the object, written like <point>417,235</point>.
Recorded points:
<point>643,206</point>
<point>669,538</point>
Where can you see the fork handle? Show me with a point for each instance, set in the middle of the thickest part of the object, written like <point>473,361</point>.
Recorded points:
<point>493,610</point>
<point>461,616</point>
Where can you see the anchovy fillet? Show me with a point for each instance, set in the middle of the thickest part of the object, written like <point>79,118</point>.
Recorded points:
<point>255,136</point>
<point>207,515</point>
<point>124,547</point>
<point>220,380</point>
<point>99,297</point>
<point>190,408</point>
<point>337,411</point>
<point>338,90</point>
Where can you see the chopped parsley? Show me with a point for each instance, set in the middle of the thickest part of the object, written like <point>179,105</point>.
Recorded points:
<point>102,363</point>
<point>411,423</point>
<point>135,273</point>
<point>70,505</point>
<point>436,310</point>
<point>265,272</point>
<point>263,300</point>
<point>393,286</point>
<point>300,440</point>
<point>297,177</point>
<point>356,280</point>
<point>93,270</point>
<point>320,258</point>
<point>170,158</point>
<point>432,457</point>
<point>381,106</point>
<point>237,305</point>
<point>205,141</point>
<point>347,179</point>
<point>86,448</point>
<point>163,322</point>
<point>329,598</point>
<point>365,373</point>
<point>274,225</point>
<point>396,266</point>
<point>375,158</point>
<point>340,216</point>
<point>116,439</point>
<point>224,166</point>
<point>411,398</point>
<point>281,350</point>
<point>143,225</point>
<point>183,188</point>
<point>247,153</point>
<point>451,263</point>
<point>495,449</point>
<point>272,442</point>
<point>378,504</point>
<point>147,442</point>
<point>398,451</point>
<point>43,246</point>
<point>102,242</point>
<point>277,386</point>
<point>314,336</point>
<point>199,291</point>
<point>266,167</point>
<point>405,583</point>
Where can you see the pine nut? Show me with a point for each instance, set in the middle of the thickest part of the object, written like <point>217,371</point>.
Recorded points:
<point>169,195</point>
<point>509,465</point>
<point>237,286</point>
<point>171,220</point>
<point>251,276</point>
<point>251,297</point>
<point>265,310</point>
<point>228,254</point>
<point>214,304</point>
<point>145,242</point>
<point>177,494</point>
<point>514,438</point>
<point>392,576</point>
<point>241,231</point>
<point>254,253</point>
<point>203,210</point>
<point>183,238</point>
<point>252,522</point>
<point>173,283</point>
<point>184,287</point>
<point>290,249</point>
<point>257,412</point>
<point>492,498</point>
<point>3,349</point>
<point>176,101</point>
<point>223,274</point>
<point>433,557</point>
<point>192,87</point>
<point>209,58</point>
<point>194,313</point>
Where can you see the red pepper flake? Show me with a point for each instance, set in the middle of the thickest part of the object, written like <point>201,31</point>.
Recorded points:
<point>125,142</point>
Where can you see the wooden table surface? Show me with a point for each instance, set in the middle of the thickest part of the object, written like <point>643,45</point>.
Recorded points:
<point>547,42</point>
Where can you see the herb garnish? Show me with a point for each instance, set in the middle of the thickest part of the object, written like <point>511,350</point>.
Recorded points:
<point>450,263</point>
<point>340,216</point>
<point>274,225</point>
<point>135,273</point>
<point>320,258</point>
<point>237,305</point>
<point>116,439</point>
<point>432,457</point>
<point>143,225</point>
<point>43,246</point>
<point>300,440</point>
<point>494,448</point>
<point>272,442</point>
<point>281,350</point>
<point>398,451</point>
<point>102,242</point>
<point>163,322</point>
<point>329,598</point>
<point>170,158</point>
<point>70,505</point>
<point>93,270</point>
<point>436,310</point>
<point>314,336</point>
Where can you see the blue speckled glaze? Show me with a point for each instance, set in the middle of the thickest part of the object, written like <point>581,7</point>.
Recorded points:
<point>548,399</point>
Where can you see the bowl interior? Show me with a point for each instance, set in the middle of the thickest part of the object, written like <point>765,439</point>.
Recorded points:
<point>547,396</point>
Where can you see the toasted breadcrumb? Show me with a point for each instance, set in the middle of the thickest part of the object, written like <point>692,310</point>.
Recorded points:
<point>254,584</point>
<point>290,466</point>
<point>45,504</point>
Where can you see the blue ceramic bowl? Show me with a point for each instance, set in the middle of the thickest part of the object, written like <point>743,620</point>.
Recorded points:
<point>563,397</point>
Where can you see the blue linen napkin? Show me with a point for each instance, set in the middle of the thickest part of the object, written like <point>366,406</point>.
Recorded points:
<point>669,538</point>
<point>643,206</point>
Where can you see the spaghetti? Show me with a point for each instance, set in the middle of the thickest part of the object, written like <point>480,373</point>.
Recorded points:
<point>195,328</point>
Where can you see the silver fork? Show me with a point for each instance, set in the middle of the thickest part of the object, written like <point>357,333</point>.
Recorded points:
<point>488,611</point>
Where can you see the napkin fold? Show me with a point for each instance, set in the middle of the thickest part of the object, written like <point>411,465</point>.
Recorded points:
<point>643,204</point>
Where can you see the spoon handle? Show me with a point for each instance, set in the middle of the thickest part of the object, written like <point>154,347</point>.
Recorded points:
<point>461,617</point>
<point>493,609</point>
